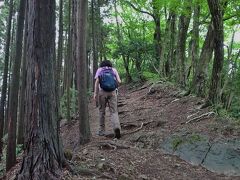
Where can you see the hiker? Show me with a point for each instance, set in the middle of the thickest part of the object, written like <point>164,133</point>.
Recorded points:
<point>105,93</point>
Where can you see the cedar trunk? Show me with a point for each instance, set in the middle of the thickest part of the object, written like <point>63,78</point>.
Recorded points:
<point>84,127</point>
<point>22,100</point>
<point>182,37</point>
<point>59,55</point>
<point>5,75</point>
<point>43,156</point>
<point>13,103</point>
<point>95,23</point>
<point>216,10</point>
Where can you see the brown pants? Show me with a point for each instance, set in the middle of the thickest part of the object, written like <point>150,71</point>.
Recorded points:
<point>110,99</point>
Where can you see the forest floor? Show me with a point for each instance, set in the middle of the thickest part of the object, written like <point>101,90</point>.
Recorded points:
<point>149,113</point>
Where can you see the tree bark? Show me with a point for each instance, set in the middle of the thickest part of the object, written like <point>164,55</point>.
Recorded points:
<point>5,75</point>
<point>22,103</point>
<point>172,51</point>
<point>200,76</point>
<point>59,55</point>
<point>126,66</point>
<point>195,38</point>
<point>166,47</point>
<point>84,127</point>
<point>184,21</point>
<point>13,103</point>
<point>43,156</point>
<point>216,11</point>
<point>95,22</point>
<point>157,32</point>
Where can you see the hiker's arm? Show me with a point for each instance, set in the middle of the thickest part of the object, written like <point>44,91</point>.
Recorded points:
<point>118,78</point>
<point>96,89</point>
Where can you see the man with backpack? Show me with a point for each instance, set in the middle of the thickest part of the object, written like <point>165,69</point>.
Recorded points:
<point>106,83</point>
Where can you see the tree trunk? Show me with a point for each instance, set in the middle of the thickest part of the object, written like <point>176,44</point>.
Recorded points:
<point>5,75</point>
<point>22,104</point>
<point>172,53</point>
<point>184,21</point>
<point>157,37</point>
<point>126,66</point>
<point>84,127</point>
<point>217,15</point>
<point>95,22</point>
<point>43,156</point>
<point>13,103</point>
<point>59,55</point>
<point>200,76</point>
<point>166,48</point>
<point>195,39</point>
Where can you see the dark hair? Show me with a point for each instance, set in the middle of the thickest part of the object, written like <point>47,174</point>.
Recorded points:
<point>106,63</point>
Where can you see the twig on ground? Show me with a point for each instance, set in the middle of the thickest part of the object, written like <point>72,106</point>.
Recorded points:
<point>174,100</point>
<point>198,118</point>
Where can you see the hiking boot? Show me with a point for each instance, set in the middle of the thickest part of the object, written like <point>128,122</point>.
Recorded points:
<point>117,133</point>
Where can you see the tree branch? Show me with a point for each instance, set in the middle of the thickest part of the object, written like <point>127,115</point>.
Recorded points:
<point>230,17</point>
<point>139,10</point>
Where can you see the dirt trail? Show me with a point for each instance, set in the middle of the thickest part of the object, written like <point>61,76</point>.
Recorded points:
<point>148,114</point>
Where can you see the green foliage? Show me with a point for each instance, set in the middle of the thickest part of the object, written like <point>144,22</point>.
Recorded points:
<point>176,142</point>
<point>5,138</point>
<point>151,76</point>
<point>73,103</point>
<point>19,149</point>
<point>189,139</point>
<point>195,138</point>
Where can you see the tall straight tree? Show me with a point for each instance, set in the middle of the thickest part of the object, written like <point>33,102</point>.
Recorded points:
<point>43,156</point>
<point>13,103</point>
<point>216,10</point>
<point>195,38</point>
<point>84,127</point>
<point>22,100</point>
<point>5,74</point>
<point>59,53</point>
<point>184,21</point>
<point>94,6</point>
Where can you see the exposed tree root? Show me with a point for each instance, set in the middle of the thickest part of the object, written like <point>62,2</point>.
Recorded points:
<point>68,166</point>
<point>141,88</point>
<point>128,126</point>
<point>121,104</point>
<point>192,115</point>
<point>122,112</point>
<point>138,129</point>
<point>198,118</point>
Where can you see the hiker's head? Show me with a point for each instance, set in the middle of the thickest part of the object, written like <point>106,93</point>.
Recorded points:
<point>106,63</point>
